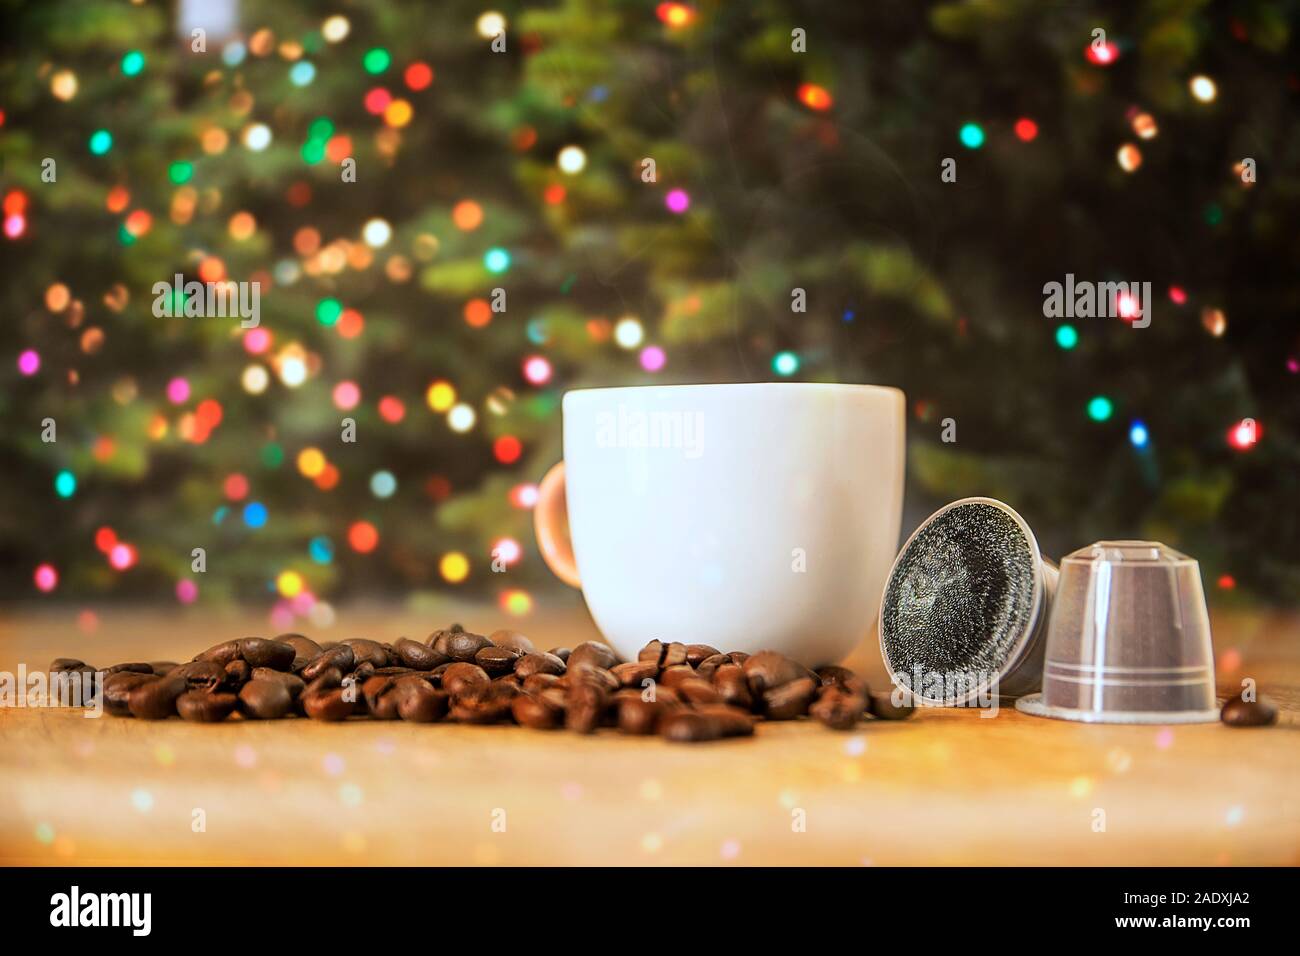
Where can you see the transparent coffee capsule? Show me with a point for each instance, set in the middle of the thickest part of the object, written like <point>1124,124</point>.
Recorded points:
<point>1129,639</point>
<point>963,617</point>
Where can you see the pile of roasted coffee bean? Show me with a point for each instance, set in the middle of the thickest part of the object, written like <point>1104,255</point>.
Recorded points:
<point>684,692</point>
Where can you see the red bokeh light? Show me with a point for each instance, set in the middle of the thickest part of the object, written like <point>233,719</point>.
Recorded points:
<point>815,97</point>
<point>418,76</point>
<point>363,537</point>
<point>675,14</point>
<point>1244,435</point>
<point>236,487</point>
<point>377,100</point>
<point>507,449</point>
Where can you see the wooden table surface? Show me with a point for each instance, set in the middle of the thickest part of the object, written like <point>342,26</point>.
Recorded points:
<point>946,787</point>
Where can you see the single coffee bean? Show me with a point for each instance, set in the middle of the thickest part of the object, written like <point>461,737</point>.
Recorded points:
<point>204,707</point>
<point>708,667</point>
<point>837,708</point>
<point>438,639</point>
<point>582,718</point>
<point>304,650</point>
<point>69,688</point>
<point>326,704</point>
<point>737,657</point>
<point>238,673</point>
<point>561,652</point>
<point>367,652</point>
<point>789,700</point>
<point>264,699</point>
<point>639,717</point>
<point>463,679</point>
<point>417,701</point>
<point>302,645</point>
<point>260,652</point>
<point>497,660</point>
<point>539,663</point>
<point>674,654</point>
<point>201,675</point>
<point>674,675</point>
<point>327,679</point>
<point>418,656</point>
<point>686,726</point>
<point>461,645</point>
<point>65,666</point>
<point>633,673</point>
<point>698,691</point>
<point>555,697</point>
<point>130,668</point>
<point>222,653</point>
<point>836,676</point>
<point>586,706</point>
<point>652,653</point>
<point>379,703</point>
<point>768,669</point>
<point>729,680</point>
<point>513,639</point>
<point>488,706</point>
<point>535,713</point>
<point>156,699</point>
<point>339,657</point>
<point>534,683</point>
<point>425,709</point>
<point>714,723</point>
<point>733,721</point>
<point>83,691</point>
<point>590,652</point>
<point>472,710</point>
<point>292,682</point>
<point>118,686</point>
<point>697,654</point>
<point>1239,712</point>
<point>590,674</point>
<point>881,704</point>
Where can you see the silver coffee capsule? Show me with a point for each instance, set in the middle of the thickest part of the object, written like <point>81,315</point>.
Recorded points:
<point>966,605</point>
<point>1129,639</point>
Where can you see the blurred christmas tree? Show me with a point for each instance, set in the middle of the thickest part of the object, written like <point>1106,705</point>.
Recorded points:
<point>654,189</point>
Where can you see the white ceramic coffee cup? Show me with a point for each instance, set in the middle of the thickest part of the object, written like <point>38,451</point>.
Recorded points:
<point>749,517</point>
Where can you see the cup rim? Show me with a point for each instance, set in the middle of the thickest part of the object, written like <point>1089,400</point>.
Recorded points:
<point>849,387</point>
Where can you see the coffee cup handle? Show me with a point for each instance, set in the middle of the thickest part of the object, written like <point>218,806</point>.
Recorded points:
<point>551,523</point>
